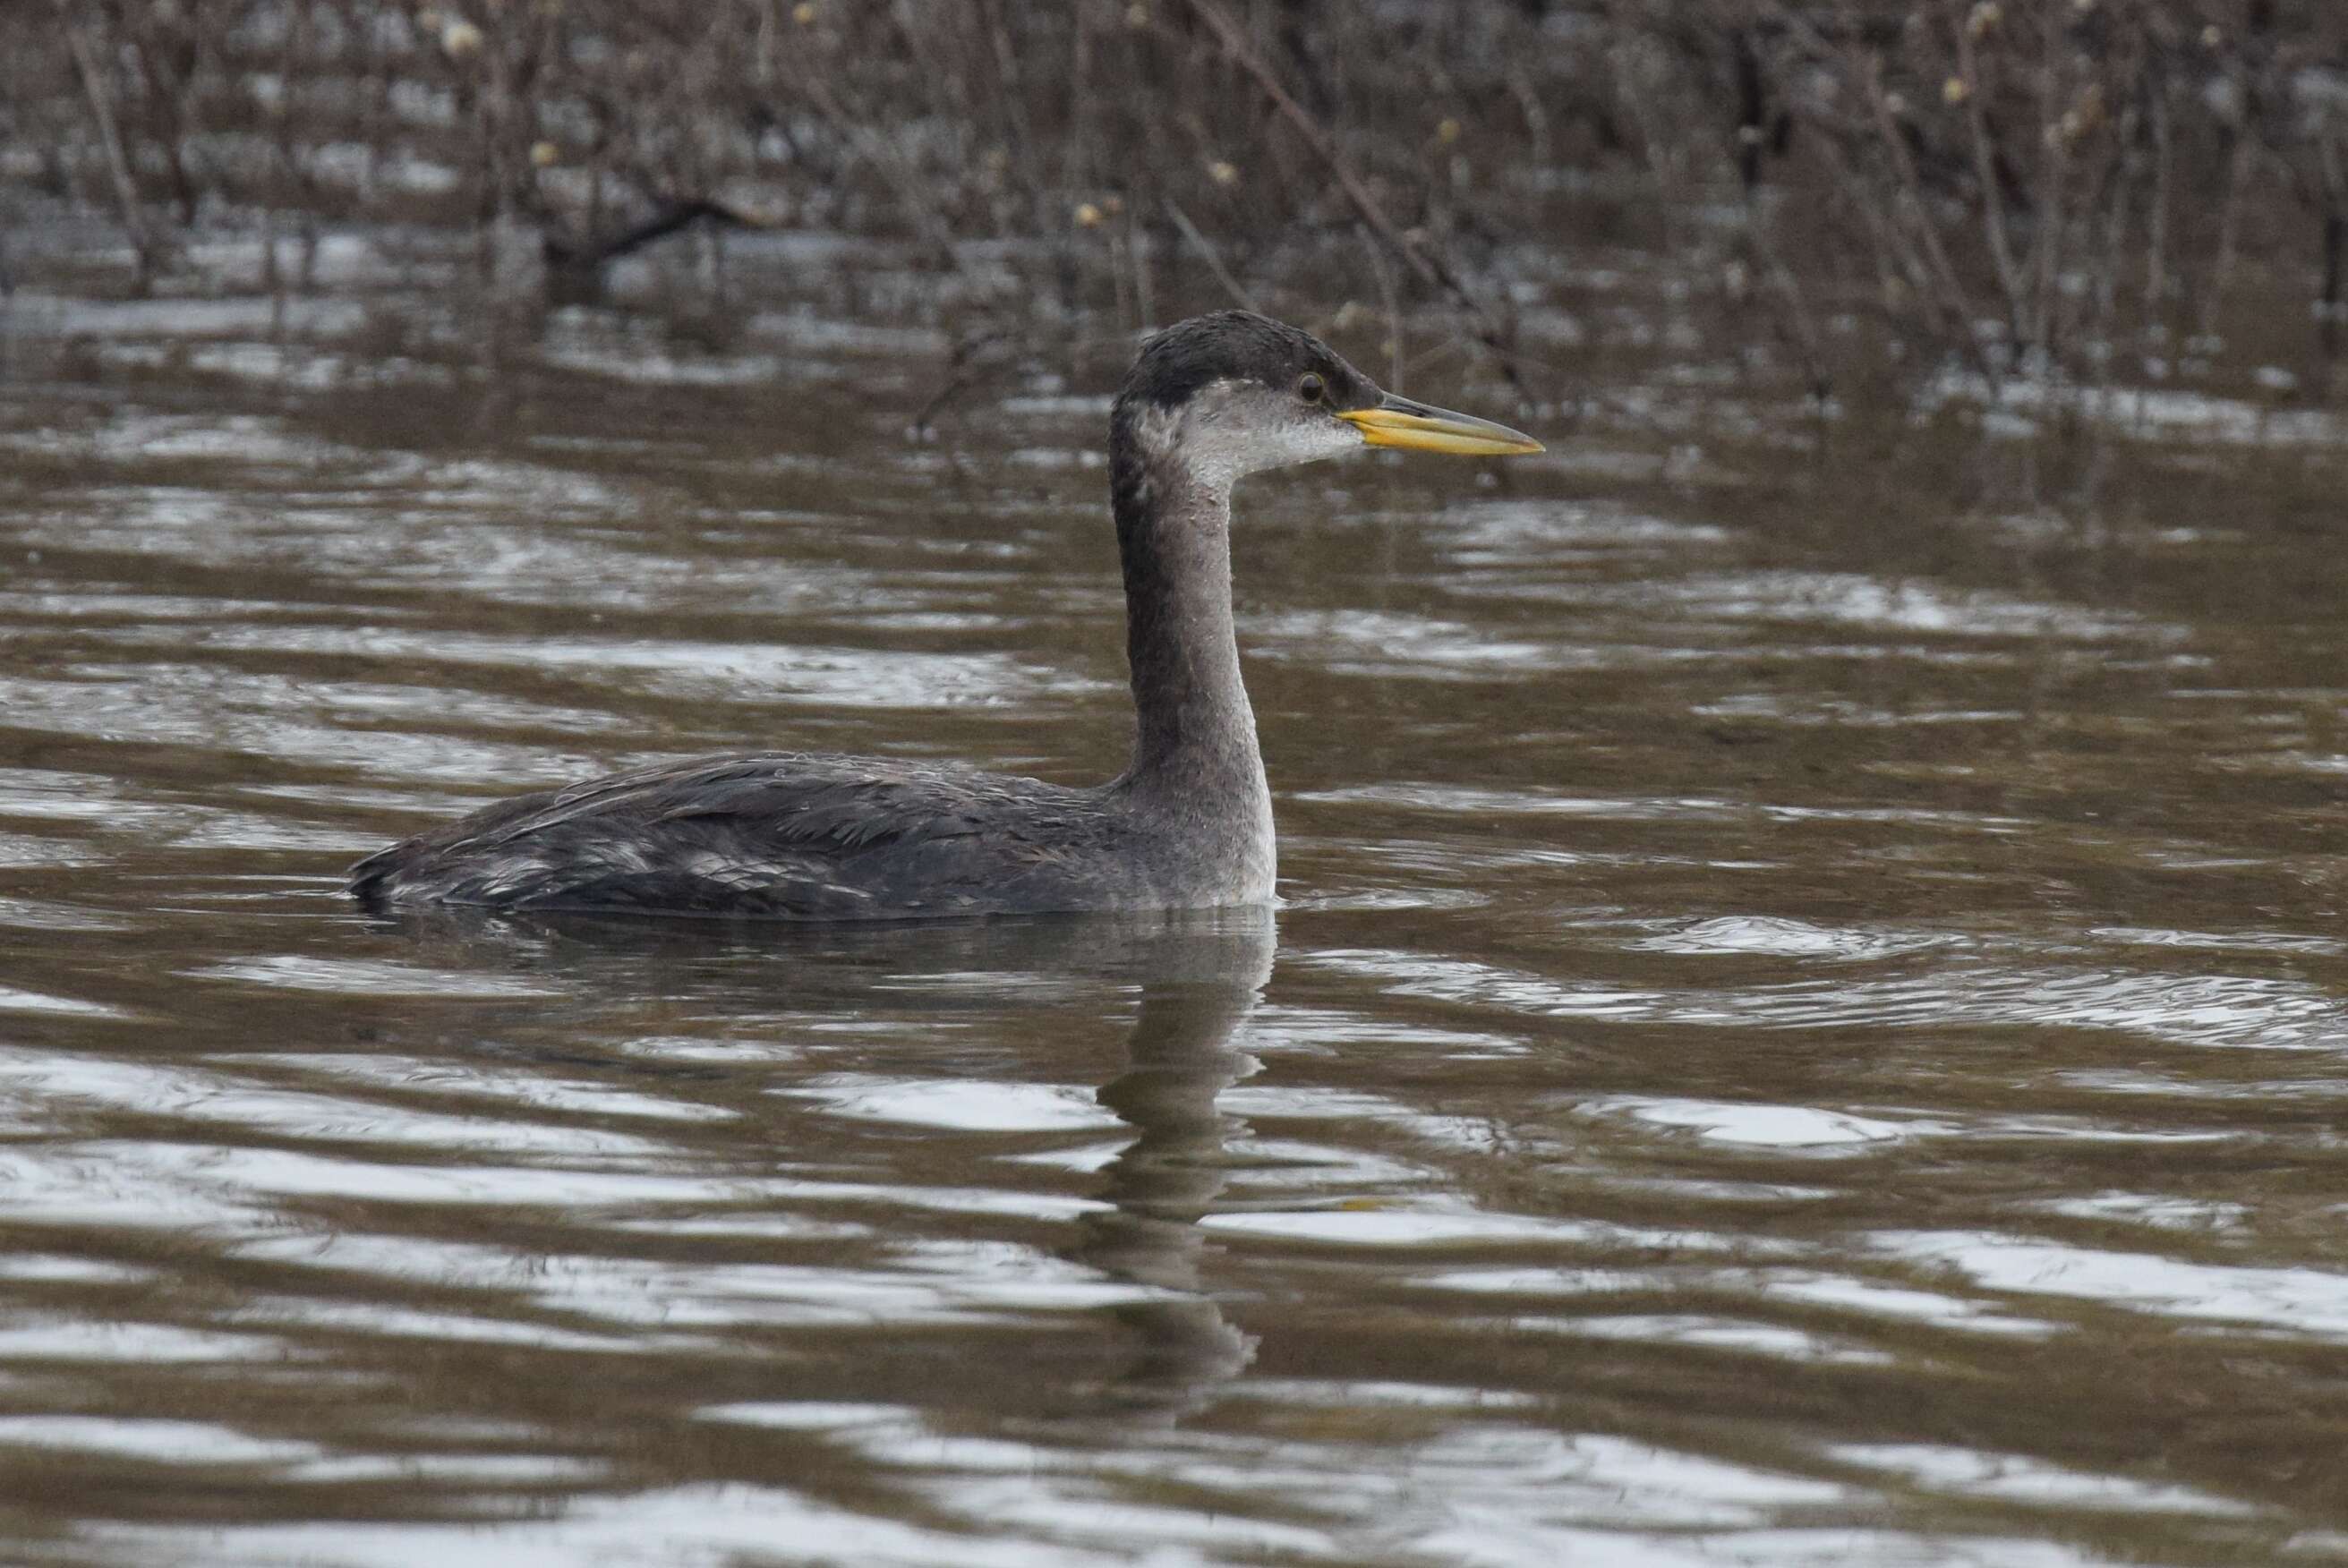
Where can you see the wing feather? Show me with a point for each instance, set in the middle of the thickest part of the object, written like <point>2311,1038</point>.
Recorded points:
<point>798,835</point>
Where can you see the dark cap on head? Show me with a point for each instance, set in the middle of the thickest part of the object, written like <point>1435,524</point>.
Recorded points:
<point>1238,345</point>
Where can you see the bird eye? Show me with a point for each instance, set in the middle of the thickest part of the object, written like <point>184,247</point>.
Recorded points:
<point>1311,387</point>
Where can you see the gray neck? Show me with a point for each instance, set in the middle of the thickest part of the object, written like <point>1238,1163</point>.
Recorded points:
<point>1194,738</point>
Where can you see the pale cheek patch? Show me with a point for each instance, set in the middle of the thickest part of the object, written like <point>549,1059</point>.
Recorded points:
<point>1312,439</point>
<point>1227,431</point>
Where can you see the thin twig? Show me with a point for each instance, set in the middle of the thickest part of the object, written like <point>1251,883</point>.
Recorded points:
<point>1392,301</point>
<point>918,202</point>
<point>1936,255</point>
<point>2230,214</point>
<point>2156,241</point>
<point>1208,253</point>
<point>1422,259</point>
<point>963,374</point>
<point>1993,189</point>
<point>2055,162</point>
<point>2336,234</point>
<point>117,163</point>
<point>1780,277</point>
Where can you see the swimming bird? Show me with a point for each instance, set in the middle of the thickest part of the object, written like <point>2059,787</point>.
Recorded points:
<point>811,836</point>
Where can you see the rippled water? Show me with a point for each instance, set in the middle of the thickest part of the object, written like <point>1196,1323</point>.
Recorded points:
<point>1810,1022</point>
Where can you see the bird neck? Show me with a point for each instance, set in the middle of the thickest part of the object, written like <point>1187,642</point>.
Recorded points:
<point>1194,731</point>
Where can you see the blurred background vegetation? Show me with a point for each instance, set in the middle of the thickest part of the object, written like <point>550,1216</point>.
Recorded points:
<point>1974,193</point>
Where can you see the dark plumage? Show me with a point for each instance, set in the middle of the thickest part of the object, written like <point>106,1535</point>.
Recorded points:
<point>780,835</point>
<point>809,836</point>
<point>1238,345</point>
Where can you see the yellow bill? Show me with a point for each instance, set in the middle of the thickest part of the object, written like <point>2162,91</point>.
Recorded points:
<point>1415,427</point>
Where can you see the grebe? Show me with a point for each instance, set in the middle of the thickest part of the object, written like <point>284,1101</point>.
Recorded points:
<point>807,837</point>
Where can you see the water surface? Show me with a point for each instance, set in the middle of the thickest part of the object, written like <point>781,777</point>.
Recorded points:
<point>1807,1025</point>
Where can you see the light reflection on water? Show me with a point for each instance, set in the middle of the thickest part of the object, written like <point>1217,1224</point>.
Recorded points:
<point>1787,1045</point>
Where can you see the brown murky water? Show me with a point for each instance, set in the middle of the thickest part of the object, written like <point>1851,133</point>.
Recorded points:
<point>1810,1025</point>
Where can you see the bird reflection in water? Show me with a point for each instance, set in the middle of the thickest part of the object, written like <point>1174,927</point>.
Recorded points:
<point>1199,974</point>
<point>1197,992</point>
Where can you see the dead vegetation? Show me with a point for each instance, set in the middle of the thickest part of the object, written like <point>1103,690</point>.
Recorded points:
<point>2068,190</point>
<point>2048,187</point>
